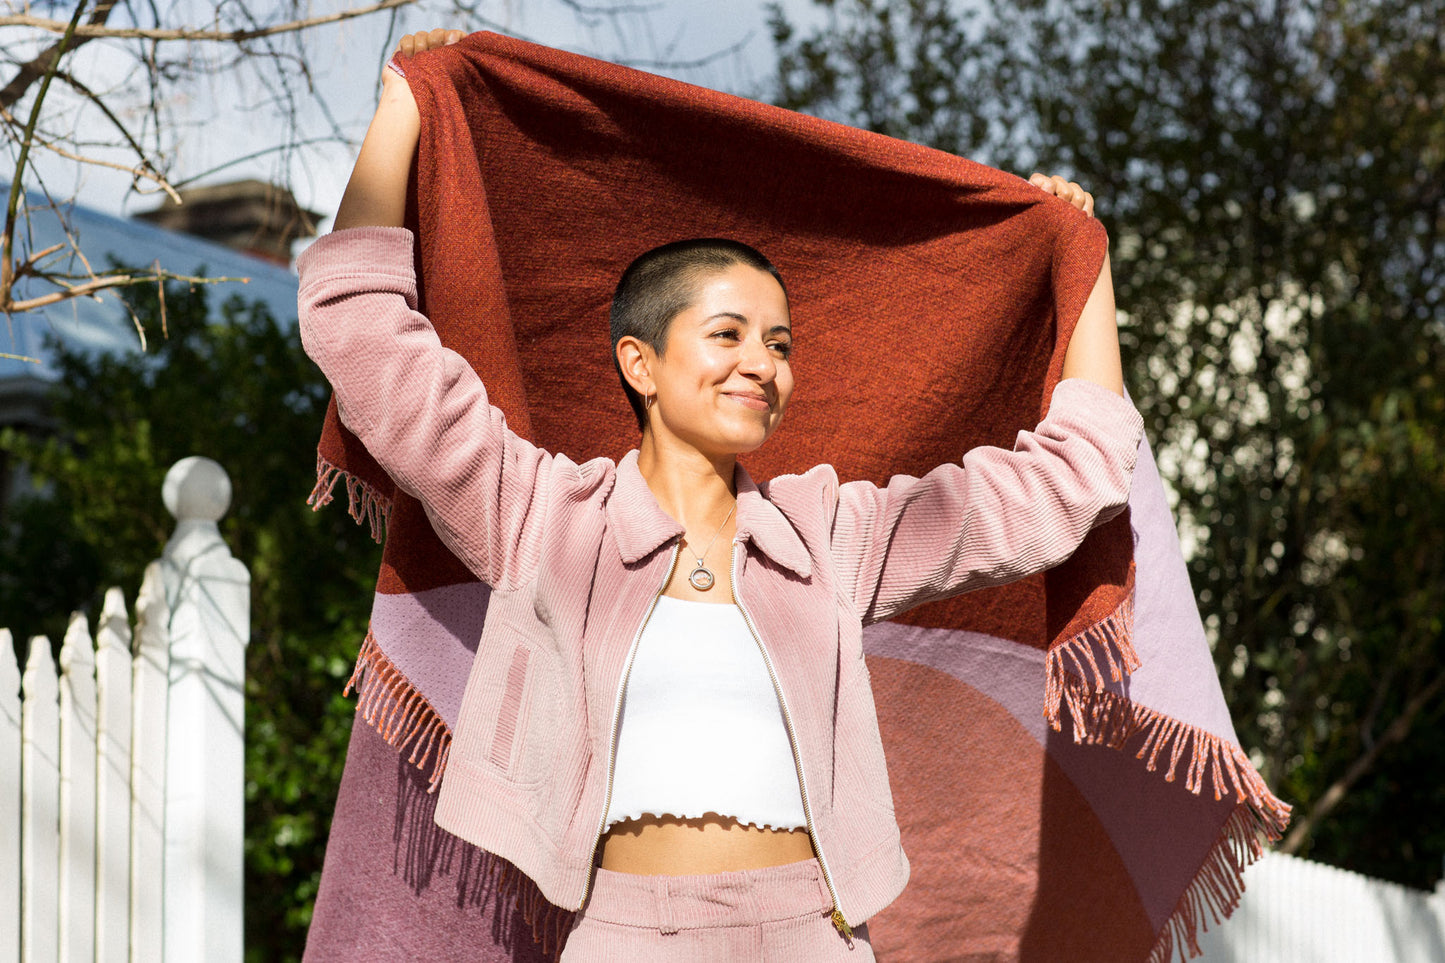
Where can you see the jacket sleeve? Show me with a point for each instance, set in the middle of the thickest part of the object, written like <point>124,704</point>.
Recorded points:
<point>997,516</point>
<point>418,407</point>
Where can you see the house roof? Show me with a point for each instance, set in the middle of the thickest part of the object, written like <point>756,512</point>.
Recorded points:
<point>102,323</point>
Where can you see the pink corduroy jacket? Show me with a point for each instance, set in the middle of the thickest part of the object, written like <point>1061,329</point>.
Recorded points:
<point>576,555</point>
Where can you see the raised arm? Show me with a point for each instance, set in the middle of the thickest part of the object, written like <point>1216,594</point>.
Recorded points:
<point>417,406</point>
<point>376,193</point>
<point>1093,352</point>
<point>1001,515</point>
<point>997,516</point>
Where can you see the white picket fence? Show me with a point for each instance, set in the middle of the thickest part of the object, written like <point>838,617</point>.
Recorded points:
<point>1298,911</point>
<point>123,771</point>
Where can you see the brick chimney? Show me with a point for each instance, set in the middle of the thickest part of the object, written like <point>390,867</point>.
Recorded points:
<point>252,216</point>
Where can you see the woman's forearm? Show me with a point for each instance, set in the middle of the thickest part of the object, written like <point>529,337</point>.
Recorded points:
<point>376,194</point>
<point>1094,348</point>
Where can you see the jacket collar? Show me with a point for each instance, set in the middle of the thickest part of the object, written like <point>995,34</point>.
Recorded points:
<point>640,526</point>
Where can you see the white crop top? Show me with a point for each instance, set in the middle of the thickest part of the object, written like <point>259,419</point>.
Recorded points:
<point>702,730</point>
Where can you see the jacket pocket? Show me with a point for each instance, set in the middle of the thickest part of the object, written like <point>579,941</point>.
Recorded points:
<point>508,727</point>
<point>504,736</point>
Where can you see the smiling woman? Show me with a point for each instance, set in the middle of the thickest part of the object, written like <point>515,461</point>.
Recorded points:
<point>714,385</point>
<point>718,716</point>
<point>729,343</point>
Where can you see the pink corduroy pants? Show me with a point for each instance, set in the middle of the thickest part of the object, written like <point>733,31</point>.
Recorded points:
<point>772,915</point>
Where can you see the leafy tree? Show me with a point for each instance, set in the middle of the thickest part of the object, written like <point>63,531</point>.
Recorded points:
<point>237,389</point>
<point>1274,178</point>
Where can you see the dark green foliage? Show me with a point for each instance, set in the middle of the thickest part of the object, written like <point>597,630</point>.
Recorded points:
<point>1273,176</point>
<point>237,389</point>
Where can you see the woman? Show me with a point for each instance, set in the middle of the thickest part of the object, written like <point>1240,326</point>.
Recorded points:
<point>669,724</point>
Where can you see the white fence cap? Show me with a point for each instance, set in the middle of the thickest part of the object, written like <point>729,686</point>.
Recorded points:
<point>197,488</point>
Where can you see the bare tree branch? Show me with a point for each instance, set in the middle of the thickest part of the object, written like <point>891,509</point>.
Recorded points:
<point>99,102</point>
<point>232,162</point>
<point>704,61</point>
<point>95,285</point>
<point>612,10</point>
<point>90,32</point>
<point>1339,789</point>
<point>137,171</point>
<point>246,42</point>
<point>7,242</point>
<point>35,68</point>
<point>37,257</point>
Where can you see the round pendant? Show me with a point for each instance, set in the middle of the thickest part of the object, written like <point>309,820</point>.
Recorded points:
<point>701,578</point>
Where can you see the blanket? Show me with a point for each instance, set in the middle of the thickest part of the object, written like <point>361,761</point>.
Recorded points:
<point>933,300</point>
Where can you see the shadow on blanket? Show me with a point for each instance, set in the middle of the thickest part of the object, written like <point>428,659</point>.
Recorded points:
<point>444,899</point>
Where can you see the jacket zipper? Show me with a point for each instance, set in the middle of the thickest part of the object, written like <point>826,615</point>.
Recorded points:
<point>839,920</point>
<point>617,719</point>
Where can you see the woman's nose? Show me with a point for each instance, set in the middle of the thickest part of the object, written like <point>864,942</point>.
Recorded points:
<point>758,361</point>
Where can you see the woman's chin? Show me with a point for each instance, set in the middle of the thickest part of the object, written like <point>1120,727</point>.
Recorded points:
<point>752,441</point>
<point>734,443</point>
<point>738,438</point>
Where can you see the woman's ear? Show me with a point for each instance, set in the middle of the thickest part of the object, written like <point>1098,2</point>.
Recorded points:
<point>636,358</point>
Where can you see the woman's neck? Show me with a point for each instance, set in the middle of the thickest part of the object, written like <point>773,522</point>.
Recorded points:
<point>693,488</point>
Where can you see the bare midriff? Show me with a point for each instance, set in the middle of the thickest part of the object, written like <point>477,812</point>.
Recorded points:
<point>667,846</point>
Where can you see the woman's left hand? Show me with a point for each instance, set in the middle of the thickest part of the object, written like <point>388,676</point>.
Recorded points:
<point>1067,190</point>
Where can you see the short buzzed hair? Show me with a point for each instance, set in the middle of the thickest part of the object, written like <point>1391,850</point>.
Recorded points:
<point>661,284</point>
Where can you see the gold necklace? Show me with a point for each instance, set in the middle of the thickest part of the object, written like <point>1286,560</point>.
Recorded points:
<point>701,576</point>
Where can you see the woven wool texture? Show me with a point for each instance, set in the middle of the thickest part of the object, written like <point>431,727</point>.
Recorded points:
<point>933,298</point>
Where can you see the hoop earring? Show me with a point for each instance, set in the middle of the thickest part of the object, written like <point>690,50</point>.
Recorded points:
<point>647,404</point>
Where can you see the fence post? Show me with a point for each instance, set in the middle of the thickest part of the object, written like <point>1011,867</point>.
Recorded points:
<point>149,672</point>
<point>210,597</point>
<point>9,799</point>
<point>1437,903</point>
<point>112,788</point>
<point>77,793</point>
<point>40,822</point>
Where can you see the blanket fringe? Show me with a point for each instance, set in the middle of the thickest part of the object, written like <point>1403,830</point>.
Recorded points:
<point>1079,671</point>
<point>391,705</point>
<point>1109,719</point>
<point>1104,645</point>
<point>548,921</point>
<point>1214,893</point>
<point>363,502</point>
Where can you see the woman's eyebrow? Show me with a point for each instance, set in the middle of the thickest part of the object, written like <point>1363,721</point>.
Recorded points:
<point>775,329</point>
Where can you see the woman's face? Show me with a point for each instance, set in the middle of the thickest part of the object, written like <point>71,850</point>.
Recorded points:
<point>724,381</point>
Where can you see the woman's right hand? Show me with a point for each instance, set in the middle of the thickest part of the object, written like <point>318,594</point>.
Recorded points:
<point>412,44</point>
<point>376,194</point>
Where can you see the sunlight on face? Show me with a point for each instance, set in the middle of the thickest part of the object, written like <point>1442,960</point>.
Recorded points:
<point>724,381</point>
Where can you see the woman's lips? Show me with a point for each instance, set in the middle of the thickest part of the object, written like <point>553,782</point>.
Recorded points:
<point>755,402</point>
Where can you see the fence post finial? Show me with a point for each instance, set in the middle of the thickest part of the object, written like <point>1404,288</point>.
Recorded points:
<point>197,492</point>
<point>210,603</point>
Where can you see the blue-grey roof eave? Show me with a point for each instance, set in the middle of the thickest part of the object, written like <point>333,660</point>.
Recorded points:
<point>102,323</point>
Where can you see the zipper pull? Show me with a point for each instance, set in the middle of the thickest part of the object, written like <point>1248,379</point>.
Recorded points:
<point>842,926</point>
